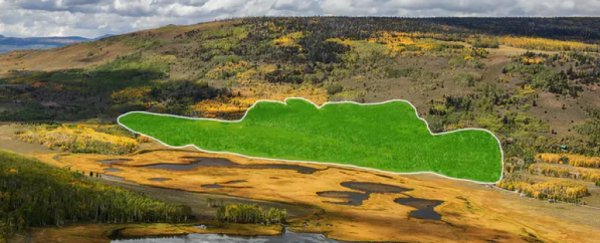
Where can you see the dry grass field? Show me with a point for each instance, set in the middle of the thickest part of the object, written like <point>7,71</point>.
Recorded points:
<point>469,211</point>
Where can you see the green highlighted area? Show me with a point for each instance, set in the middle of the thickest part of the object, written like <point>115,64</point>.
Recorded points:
<point>386,136</point>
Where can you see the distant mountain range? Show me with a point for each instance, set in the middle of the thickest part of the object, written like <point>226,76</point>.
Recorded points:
<point>15,43</point>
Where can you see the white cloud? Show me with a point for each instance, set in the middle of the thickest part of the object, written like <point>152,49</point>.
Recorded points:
<point>92,18</point>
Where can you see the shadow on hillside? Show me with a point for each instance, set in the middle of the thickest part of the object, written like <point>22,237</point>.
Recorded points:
<point>70,95</point>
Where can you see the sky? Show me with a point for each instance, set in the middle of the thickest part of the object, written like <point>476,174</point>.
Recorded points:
<point>93,18</point>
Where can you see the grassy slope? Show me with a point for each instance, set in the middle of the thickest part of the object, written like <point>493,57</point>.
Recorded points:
<point>387,136</point>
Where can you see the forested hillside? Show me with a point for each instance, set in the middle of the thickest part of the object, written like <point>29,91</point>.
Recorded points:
<point>532,81</point>
<point>36,194</point>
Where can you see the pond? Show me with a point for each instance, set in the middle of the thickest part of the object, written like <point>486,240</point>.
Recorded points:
<point>370,187</point>
<point>113,161</point>
<point>112,169</point>
<point>424,207</point>
<point>287,236</point>
<point>350,198</point>
<point>356,198</point>
<point>195,162</point>
<point>227,184</point>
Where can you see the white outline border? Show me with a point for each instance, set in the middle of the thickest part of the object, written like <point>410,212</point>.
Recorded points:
<point>284,102</point>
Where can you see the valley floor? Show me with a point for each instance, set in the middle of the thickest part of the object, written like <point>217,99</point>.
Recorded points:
<point>319,199</point>
<point>539,95</point>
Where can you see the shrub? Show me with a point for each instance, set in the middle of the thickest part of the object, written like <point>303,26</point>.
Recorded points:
<point>176,97</point>
<point>565,172</point>
<point>547,44</point>
<point>78,139</point>
<point>334,89</point>
<point>484,42</point>
<point>285,75</point>
<point>250,214</point>
<point>557,189</point>
<point>465,79</point>
<point>591,130</point>
<point>227,70</point>
<point>214,203</point>
<point>289,40</point>
<point>571,159</point>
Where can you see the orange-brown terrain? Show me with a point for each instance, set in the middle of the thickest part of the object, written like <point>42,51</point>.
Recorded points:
<point>469,211</point>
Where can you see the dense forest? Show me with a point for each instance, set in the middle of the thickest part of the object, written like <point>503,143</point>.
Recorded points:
<point>582,29</point>
<point>35,194</point>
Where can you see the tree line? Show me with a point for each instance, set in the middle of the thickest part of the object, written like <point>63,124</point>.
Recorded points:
<point>34,194</point>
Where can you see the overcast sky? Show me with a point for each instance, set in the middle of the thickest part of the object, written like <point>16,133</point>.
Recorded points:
<point>92,18</point>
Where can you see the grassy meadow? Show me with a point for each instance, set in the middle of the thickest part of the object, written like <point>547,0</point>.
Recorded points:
<point>387,136</point>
